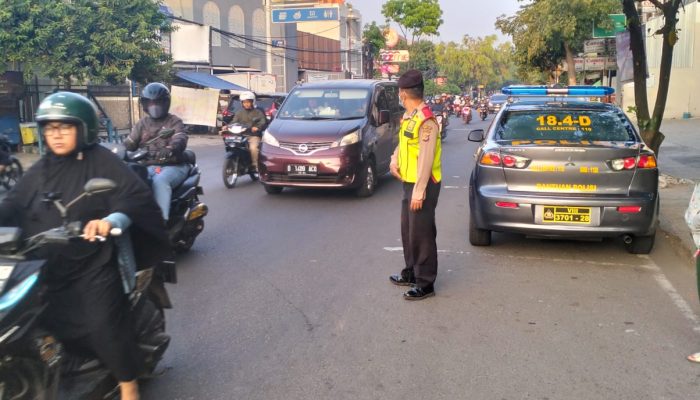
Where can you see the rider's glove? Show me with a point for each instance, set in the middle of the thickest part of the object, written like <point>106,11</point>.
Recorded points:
<point>164,155</point>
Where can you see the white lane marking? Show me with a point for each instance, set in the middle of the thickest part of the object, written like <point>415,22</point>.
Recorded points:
<point>394,249</point>
<point>455,176</point>
<point>451,187</point>
<point>671,291</point>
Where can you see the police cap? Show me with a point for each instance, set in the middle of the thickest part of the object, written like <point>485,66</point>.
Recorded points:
<point>410,79</point>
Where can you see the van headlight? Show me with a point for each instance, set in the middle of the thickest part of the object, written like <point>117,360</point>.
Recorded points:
<point>267,138</point>
<point>350,138</point>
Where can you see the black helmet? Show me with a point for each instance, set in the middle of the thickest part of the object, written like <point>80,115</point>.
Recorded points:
<point>71,108</point>
<point>155,100</point>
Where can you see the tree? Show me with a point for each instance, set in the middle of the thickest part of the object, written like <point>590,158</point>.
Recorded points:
<point>374,34</point>
<point>546,31</point>
<point>85,40</point>
<point>415,18</point>
<point>650,123</point>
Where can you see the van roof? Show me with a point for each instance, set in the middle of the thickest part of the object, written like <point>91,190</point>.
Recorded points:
<point>343,84</point>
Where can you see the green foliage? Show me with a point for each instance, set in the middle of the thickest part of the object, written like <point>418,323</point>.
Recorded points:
<point>476,61</point>
<point>542,28</point>
<point>373,34</point>
<point>415,18</point>
<point>423,58</point>
<point>85,40</point>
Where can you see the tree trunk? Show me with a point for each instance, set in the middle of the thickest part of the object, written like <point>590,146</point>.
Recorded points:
<point>640,67</point>
<point>570,64</point>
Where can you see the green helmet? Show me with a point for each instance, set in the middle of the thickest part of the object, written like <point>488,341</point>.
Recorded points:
<point>72,108</point>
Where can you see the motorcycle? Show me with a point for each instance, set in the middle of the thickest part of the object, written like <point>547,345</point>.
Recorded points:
<point>483,112</point>
<point>187,212</point>
<point>238,160</point>
<point>33,363</point>
<point>13,171</point>
<point>442,124</point>
<point>466,114</point>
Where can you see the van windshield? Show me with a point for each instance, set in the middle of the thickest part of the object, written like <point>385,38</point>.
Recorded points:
<point>314,104</point>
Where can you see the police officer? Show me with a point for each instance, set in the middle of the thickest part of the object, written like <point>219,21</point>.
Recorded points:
<point>416,162</point>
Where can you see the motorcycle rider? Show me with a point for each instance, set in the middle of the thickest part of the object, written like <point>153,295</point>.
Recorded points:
<point>167,168</point>
<point>251,116</point>
<point>87,309</point>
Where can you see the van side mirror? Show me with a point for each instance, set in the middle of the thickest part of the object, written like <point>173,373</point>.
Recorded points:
<point>383,118</point>
<point>477,135</point>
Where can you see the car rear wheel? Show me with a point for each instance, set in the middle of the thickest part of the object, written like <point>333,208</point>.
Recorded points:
<point>478,237</point>
<point>273,189</point>
<point>641,244</point>
<point>369,180</point>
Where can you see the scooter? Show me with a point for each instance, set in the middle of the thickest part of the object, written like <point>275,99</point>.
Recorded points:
<point>187,212</point>
<point>13,171</point>
<point>33,363</point>
<point>442,125</point>
<point>466,114</point>
<point>483,112</point>
<point>238,160</point>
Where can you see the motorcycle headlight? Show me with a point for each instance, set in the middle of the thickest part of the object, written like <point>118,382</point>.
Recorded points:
<point>267,138</point>
<point>350,138</point>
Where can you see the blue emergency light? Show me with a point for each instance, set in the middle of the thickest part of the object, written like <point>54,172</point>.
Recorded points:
<point>594,91</point>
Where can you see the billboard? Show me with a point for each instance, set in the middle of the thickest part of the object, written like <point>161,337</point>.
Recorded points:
<point>190,43</point>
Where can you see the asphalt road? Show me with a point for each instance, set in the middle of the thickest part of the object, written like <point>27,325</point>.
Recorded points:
<point>287,297</point>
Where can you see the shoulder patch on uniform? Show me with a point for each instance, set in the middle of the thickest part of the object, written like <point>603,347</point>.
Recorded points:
<point>427,112</point>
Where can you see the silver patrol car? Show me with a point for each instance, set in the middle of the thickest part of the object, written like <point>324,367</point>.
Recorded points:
<point>565,168</point>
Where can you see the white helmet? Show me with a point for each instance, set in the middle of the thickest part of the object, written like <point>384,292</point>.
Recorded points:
<point>247,96</point>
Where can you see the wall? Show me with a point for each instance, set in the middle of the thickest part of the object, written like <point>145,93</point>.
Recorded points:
<point>685,75</point>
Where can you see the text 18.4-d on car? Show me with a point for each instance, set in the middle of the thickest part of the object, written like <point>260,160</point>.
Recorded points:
<point>563,167</point>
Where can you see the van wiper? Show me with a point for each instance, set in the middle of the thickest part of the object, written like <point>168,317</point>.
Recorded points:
<point>347,118</point>
<point>316,118</point>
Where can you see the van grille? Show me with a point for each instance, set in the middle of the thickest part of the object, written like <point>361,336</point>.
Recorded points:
<point>305,148</point>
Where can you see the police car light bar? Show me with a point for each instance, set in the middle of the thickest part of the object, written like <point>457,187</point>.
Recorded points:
<point>594,91</point>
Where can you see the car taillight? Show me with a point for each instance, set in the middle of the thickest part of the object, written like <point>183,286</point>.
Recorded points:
<point>505,204</point>
<point>514,162</point>
<point>226,113</point>
<point>490,158</point>
<point>629,209</point>
<point>643,161</point>
<point>646,161</point>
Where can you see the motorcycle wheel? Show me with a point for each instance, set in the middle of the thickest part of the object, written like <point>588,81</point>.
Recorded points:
<point>254,176</point>
<point>230,172</point>
<point>13,173</point>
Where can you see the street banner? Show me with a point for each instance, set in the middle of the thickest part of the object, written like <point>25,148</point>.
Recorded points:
<point>594,46</point>
<point>394,56</point>
<point>190,43</point>
<point>195,106</point>
<point>294,15</point>
<point>625,62</point>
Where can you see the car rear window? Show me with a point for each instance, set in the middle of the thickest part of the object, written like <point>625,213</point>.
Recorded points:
<point>570,125</point>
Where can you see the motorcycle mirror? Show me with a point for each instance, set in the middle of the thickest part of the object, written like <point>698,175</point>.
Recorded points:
<point>99,185</point>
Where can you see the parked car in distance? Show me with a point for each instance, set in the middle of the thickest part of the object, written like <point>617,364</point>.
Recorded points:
<point>496,102</point>
<point>332,134</point>
<point>269,103</point>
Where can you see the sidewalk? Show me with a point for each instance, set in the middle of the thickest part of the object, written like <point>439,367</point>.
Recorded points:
<point>679,164</point>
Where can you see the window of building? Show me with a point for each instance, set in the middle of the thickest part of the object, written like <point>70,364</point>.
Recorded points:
<point>259,24</point>
<point>212,17</point>
<point>236,24</point>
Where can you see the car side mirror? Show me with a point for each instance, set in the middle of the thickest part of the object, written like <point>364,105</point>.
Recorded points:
<point>99,185</point>
<point>477,135</point>
<point>383,118</point>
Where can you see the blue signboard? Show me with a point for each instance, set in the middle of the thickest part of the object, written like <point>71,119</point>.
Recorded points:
<point>292,15</point>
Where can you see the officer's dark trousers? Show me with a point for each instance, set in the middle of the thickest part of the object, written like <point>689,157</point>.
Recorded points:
<point>418,235</point>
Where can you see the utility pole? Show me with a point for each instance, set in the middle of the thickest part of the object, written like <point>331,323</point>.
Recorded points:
<point>268,33</point>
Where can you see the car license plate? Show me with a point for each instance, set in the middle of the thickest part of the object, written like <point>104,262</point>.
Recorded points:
<point>566,215</point>
<point>302,169</point>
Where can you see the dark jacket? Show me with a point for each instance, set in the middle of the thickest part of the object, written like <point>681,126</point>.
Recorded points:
<point>253,118</point>
<point>148,129</point>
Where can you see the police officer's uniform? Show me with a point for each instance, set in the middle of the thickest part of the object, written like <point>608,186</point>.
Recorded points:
<point>418,160</point>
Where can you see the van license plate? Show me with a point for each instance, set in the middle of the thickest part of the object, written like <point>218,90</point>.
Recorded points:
<point>302,169</point>
<point>566,215</point>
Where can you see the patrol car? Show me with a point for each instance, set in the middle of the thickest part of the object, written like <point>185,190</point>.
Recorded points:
<point>563,167</point>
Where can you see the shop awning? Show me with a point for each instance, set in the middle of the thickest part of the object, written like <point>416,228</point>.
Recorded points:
<point>208,80</point>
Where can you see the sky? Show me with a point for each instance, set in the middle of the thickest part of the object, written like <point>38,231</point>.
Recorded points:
<point>470,17</point>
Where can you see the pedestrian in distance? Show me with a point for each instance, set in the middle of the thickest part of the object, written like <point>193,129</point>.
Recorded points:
<point>416,163</point>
